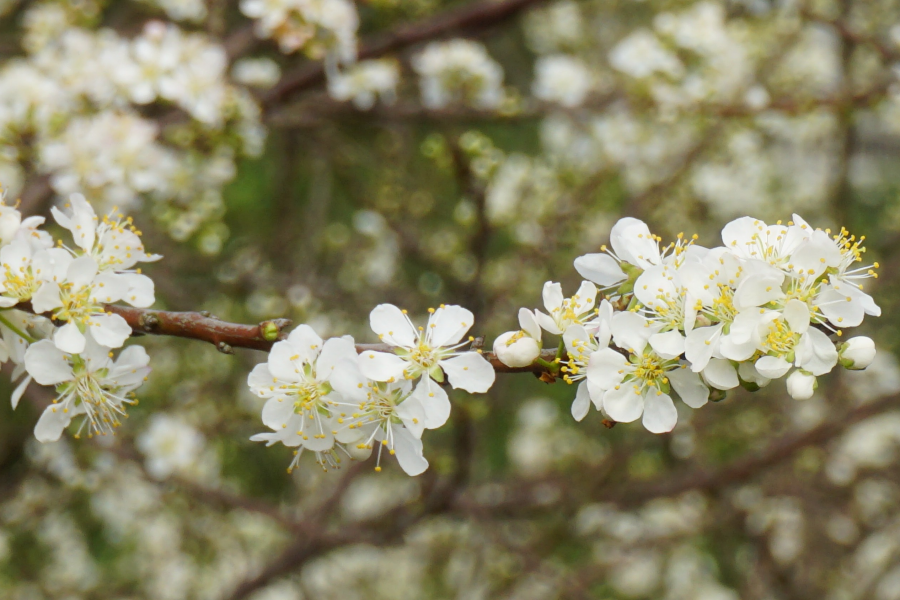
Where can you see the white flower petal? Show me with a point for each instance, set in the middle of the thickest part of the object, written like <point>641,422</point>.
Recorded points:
<point>582,403</point>
<point>796,313</point>
<point>412,413</point>
<point>110,330</point>
<point>435,402</point>
<point>529,324</point>
<point>576,339</point>
<point>700,345</point>
<point>260,380</point>
<point>305,342</point>
<point>334,352</point>
<point>52,423</point>
<point>660,415</point>
<point>469,371</point>
<point>547,323</point>
<point>81,272</point>
<point>689,386</point>
<point>285,361</point>
<point>47,364</point>
<point>552,296</point>
<point>46,298</point>
<point>669,344</point>
<point>585,297</point>
<point>816,352</point>
<point>408,450</point>
<point>840,309</point>
<point>600,268</point>
<point>631,331</point>
<point>632,242</point>
<point>69,339</point>
<point>449,324</point>
<point>392,326</point>
<point>19,391</point>
<point>623,404</point>
<point>772,367</point>
<point>109,287</point>
<point>757,290</point>
<point>748,373</point>
<point>381,366</point>
<point>606,368</point>
<point>349,382</point>
<point>277,411</point>
<point>141,291</point>
<point>720,374</point>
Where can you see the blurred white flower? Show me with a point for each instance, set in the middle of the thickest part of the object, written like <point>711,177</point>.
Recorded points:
<point>562,79</point>
<point>365,81</point>
<point>458,71</point>
<point>641,54</point>
<point>261,72</point>
<point>170,445</point>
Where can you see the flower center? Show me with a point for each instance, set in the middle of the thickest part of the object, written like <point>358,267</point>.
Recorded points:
<point>20,285</point>
<point>310,396</point>
<point>651,369</point>
<point>77,305</point>
<point>723,307</point>
<point>780,339</point>
<point>103,406</point>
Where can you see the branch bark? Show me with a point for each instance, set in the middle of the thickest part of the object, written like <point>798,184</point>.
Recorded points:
<point>226,336</point>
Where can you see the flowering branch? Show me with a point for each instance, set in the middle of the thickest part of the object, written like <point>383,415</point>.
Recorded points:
<point>226,336</point>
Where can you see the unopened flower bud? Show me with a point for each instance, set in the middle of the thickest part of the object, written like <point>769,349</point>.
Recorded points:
<point>857,353</point>
<point>516,349</point>
<point>801,385</point>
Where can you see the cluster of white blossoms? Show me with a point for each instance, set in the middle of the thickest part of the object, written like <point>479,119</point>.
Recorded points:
<point>690,321</point>
<point>320,28</point>
<point>324,397</point>
<point>71,288</point>
<point>365,81</point>
<point>459,71</point>
<point>73,108</point>
<point>689,58</point>
<point>562,79</point>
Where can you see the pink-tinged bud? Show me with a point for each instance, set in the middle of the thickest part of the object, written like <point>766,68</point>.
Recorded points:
<point>801,385</point>
<point>516,349</point>
<point>857,353</point>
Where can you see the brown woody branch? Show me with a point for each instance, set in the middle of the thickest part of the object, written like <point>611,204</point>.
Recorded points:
<point>226,336</point>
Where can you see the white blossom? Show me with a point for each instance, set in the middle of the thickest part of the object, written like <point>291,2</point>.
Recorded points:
<point>458,71</point>
<point>90,383</point>
<point>563,312</point>
<point>561,79</point>
<point>365,81</point>
<point>302,405</point>
<point>641,54</point>
<point>170,445</point>
<point>256,72</point>
<point>318,27</point>
<point>523,347</point>
<point>427,352</point>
